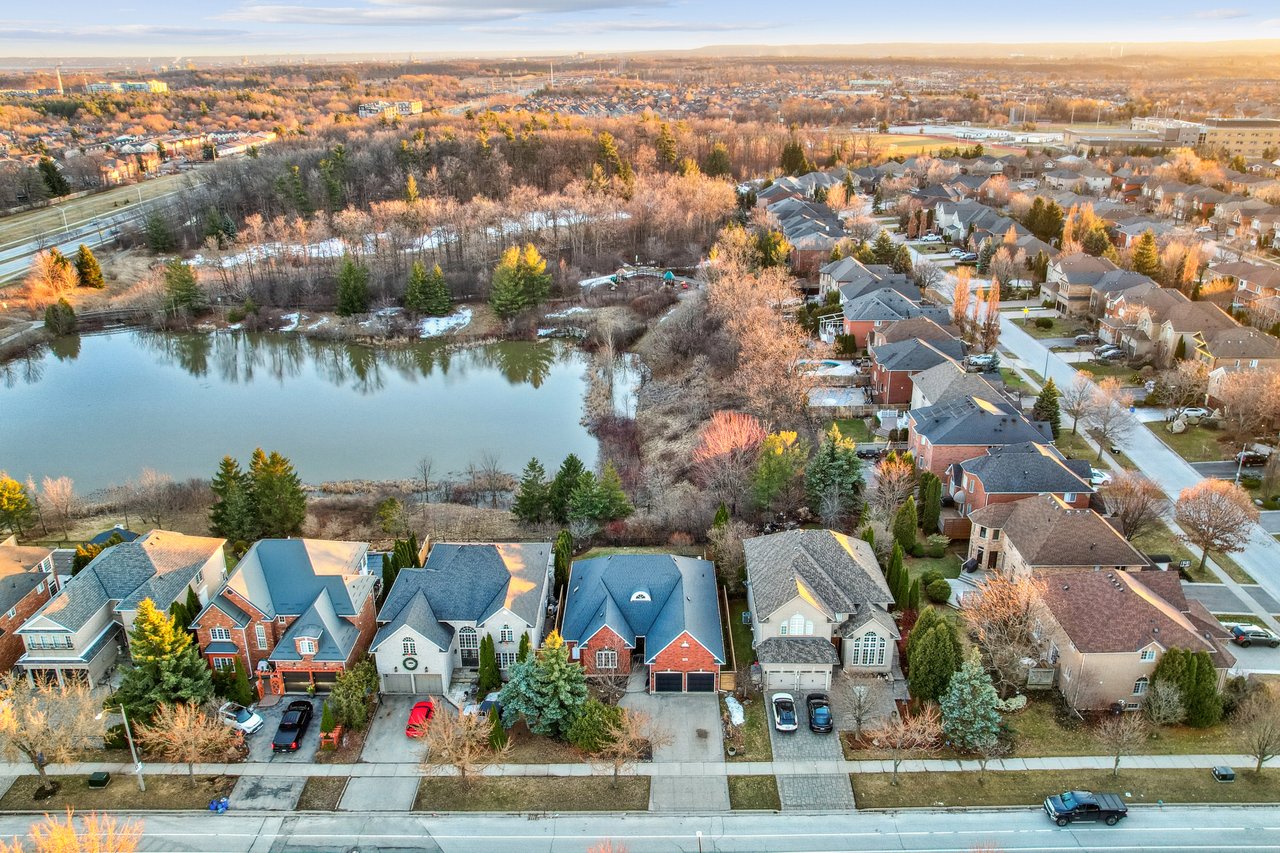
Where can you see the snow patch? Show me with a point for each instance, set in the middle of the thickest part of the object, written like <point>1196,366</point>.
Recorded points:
<point>737,714</point>
<point>432,327</point>
<point>323,321</point>
<point>291,322</point>
<point>568,312</point>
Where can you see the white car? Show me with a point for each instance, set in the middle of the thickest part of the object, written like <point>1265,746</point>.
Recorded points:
<point>240,717</point>
<point>931,238</point>
<point>784,712</point>
<point>1098,478</point>
<point>957,253</point>
<point>1196,412</point>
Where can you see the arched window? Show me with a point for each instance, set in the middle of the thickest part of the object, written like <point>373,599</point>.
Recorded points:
<point>869,650</point>
<point>795,627</point>
<point>1140,686</point>
<point>468,640</point>
<point>410,647</point>
<point>641,595</point>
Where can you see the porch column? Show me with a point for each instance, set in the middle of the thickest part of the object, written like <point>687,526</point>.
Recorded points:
<point>58,672</point>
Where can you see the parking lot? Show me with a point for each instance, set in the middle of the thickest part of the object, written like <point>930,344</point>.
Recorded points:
<point>386,742</point>
<point>260,742</point>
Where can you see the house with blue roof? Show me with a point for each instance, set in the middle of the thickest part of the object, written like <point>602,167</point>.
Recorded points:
<point>433,619</point>
<point>657,611</point>
<point>297,613</point>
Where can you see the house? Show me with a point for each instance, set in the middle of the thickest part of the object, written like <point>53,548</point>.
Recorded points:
<point>297,613</point>
<point>941,435</point>
<point>853,279</point>
<point>1047,534</point>
<point>1253,281</point>
<point>946,382</point>
<point>818,600</point>
<point>914,328</point>
<point>1105,631</point>
<point>893,365</point>
<point>1235,347</point>
<point>812,229</point>
<point>1070,279</point>
<point>872,311</point>
<point>81,631</point>
<point>659,611</point>
<point>434,618</point>
<point>1112,284</point>
<point>27,581</point>
<point>1017,471</point>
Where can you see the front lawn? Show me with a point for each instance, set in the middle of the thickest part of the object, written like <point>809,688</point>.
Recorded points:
<point>1074,446</point>
<point>1014,382</point>
<point>1059,329</point>
<point>533,794</point>
<point>1042,729</point>
<point>321,794</point>
<point>1030,787</point>
<point>1197,444</point>
<point>528,748</point>
<point>855,429</point>
<point>1121,371</point>
<point>163,793</point>
<point>948,565</point>
<point>754,792</point>
<point>1162,540</point>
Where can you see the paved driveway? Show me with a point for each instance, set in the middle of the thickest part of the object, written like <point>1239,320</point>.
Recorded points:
<point>1220,598</point>
<point>260,741</point>
<point>386,742</point>
<point>696,737</point>
<point>824,792</point>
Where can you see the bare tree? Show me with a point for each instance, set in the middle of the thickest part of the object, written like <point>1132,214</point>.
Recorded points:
<point>909,734</point>
<point>726,454</point>
<point>152,494</point>
<point>1122,734</point>
<point>461,742</point>
<point>859,704</point>
<point>492,480</point>
<point>1250,398</point>
<point>989,749</point>
<point>47,722</point>
<point>895,482</point>
<point>95,834</point>
<point>50,276</point>
<point>989,330</point>
<point>1004,614</point>
<point>1258,727</point>
<point>960,297</point>
<point>1216,515</point>
<point>728,553</point>
<point>424,471</point>
<point>1183,386</point>
<point>1110,416</point>
<point>59,495</point>
<point>1077,398</point>
<point>1162,703</point>
<point>1136,503</point>
<point>927,274</point>
<point>184,733</point>
<point>631,737</point>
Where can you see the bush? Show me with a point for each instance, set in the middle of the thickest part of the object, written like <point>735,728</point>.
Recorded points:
<point>846,345</point>
<point>936,545</point>
<point>917,549</point>
<point>1251,482</point>
<point>1044,322</point>
<point>939,591</point>
<point>929,577</point>
<point>590,731</point>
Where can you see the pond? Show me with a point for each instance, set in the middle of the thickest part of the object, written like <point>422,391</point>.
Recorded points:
<point>100,408</point>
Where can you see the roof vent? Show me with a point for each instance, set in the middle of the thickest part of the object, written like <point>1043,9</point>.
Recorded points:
<point>641,595</point>
<point>1065,587</point>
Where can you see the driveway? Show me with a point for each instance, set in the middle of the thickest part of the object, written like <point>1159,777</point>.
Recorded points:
<point>825,792</point>
<point>692,720</point>
<point>386,742</point>
<point>260,741</point>
<point>1219,598</point>
<point>1224,470</point>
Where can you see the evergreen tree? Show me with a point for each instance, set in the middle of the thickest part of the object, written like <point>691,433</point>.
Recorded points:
<point>411,189</point>
<point>794,161</point>
<point>415,290</point>
<point>167,667</point>
<point>547,690</point>
<point>985,254</point>
<point>586,501</point>
<point>869,536</point>
<point>54,182</point>
<point>1046,407</point>
<point>721,517</point>
<point>718,163</point>
<point>159,235</point>
<point>1180,350</point>
<point>181,618</point>
<point>327,722</point>
<point>497,734</point>
<point>563,548</point>
<point>281,503</point>
<point>489,676</point>
<point>905,524</point>
<point>522,654</point>
<point>234,512</point>
<point>438,302</point>
<point>505,293</point>
<point>893,575</point>
<point>535,281</point>
<point>970,719</point>
<point>88,272</point>
<point>530,504</point>
<point>1146,256</point>
<point>884,248</point>
<point>612,497</point>
<point>913,596</point>
<point>193,602</point>
<point>834,469</point>
<point>666,144</point>
<point>926,620</point>
<point>933,659</point>
<point>562,487</point>
<point>931,515</point>
<point>1201,699</point>
<point>240,690</point>
<point>181,288</point>
<point>353,288</point>
<point>60,318</point>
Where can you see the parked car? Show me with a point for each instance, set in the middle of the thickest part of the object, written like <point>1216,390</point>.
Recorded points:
<point>1098,478</point>
<point>784,712</point>
<point>239,717</point>
<point>482,707</point>
<point>1085,339</point>
<point>985,359</point>
<point>1196,412</point>
<point>969,256</point>
<point>1252,458</point>
<point>931,238</point>
<point>957,253</point>
<point>1071,806</point>
<point>419,716</point>
<point>820,719</point>
<point>870,451</point>
<point>293,726</point>
<point>1245,636</point>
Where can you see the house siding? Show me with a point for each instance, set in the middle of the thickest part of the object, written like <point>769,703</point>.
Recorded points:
<point>685,654</point>
<point>11,645</point>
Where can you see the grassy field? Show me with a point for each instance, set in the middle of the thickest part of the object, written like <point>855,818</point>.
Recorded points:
<point>1059,329</point>
<point>163,793</point>
<point>855,428</point>
<point>1029,788</point>
<point>322,793</point>
<point>1123,372</point>
<point>755,730</point>
<point>754,792</point>
<point>531,794</point>
<point>948,565</point>
<point>907,144</point>
<point>1162,540</point>
<point>1197,444</point>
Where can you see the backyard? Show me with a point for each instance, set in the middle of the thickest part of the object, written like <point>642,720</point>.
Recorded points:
<point>948,565</point>
<point>855,429</point>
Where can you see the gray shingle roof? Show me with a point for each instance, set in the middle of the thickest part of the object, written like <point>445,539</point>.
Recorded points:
<point>917,355</point>
<point>888,304</point>
<point>813,650</point>
<point>655,596</point>
<point>336,636</point>
<point>976,421</point>
<point>282,577</point>
<point>1028,468</point>
<point>949,381</point>
<point>418,615</point>
<point>16,585</point>
<point>838,573</point>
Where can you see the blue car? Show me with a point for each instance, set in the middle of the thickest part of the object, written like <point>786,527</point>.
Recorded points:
<point>820,719</point>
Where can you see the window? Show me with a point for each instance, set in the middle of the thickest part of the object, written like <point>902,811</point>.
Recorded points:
<point>12,612</point>
<point>306,647</point>
<point>223,664</point>
<point>506,635</point>
<point>468,640</point>
<point>868,650</point>
<point>782,630</point>
<point>1147,655</point>
<point>982,532</point>
<point>217,634</point>
<point>506,659</point>
<point>1140,686</point>
<point>606,659</point>
<point>409,647</point>
<point>261,633</point>
<point>1069,497</point>
<point>995,536</point>
<point>1053,653</point>
<point>796,625</point>
<point>640,595</point>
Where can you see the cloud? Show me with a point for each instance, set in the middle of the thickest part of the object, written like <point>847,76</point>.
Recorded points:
<point>41,33</point>
<point>591,28</point>
<point>1221,14</point>
<point>389,13</point>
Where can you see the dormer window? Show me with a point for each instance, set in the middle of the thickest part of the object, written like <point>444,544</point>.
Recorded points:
<point>306,647</point>
<point>641,595</point>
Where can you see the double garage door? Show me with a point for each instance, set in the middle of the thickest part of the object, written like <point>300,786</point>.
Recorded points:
<point>412,683</point>
<point>679,682</point>
<point>798,679</point>
<point>298,682</point>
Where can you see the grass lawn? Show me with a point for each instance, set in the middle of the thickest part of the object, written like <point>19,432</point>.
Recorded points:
<point>1197,444</point>
<point>527,748</point>
<point>1162,540</point>
<point>948,565</point>
<point>163,792</point>
<point>1231,567</point>
<point>322,793</point>
<point>1059,329</point>
<point>689,551</point>
<point>916,790</point>
<point>755,729</point>
<point>1074,446</point>
<point>533,794</point>
<point>754,792</point>
<point>1123,372</point>
<point>1039,731</point>
<point>1015,382</point>
<point>854,428</point>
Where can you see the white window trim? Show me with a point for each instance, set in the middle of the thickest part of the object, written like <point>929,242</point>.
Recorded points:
<point>219,635</point>
<point>1147,655</point>
<point>306,647</point>
<point>409,646</point>
<point>606,659</point>
<point>260,636</point>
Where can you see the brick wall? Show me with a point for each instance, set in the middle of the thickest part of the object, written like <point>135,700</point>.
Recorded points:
<point>11,645</point>
<point>685,654</point>
<point>605,638</point>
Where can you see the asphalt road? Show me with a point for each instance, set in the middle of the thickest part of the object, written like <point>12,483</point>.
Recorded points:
<point>1186,829</point>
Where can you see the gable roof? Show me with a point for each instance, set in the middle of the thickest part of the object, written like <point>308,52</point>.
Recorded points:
<point>655,596</point>
<point>283,577</point>
<point>1241,342</point>
<point>949,381</point>
<point>1080,268</point>
<point>888,304</point>
<point>1049,533</point>
<point>976,421</point>
<point>922,328</point>
<point>22,558</point>
<point>915,354</point>
<point>835,572</point>
<point>1028,468</point>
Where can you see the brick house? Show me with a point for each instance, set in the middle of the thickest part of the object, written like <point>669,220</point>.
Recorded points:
<point>940,436</point>
<point>1018,471</point>
<point>27,581</point>
<point>893,365</point>
<point>1044,534</point>
<point>866,314</point>
<point>296,612</point>
<point>658,611</point>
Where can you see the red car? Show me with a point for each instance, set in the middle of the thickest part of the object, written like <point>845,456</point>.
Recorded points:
<point>418,719</point>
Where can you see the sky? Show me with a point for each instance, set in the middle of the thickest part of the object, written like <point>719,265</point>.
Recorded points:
<point>164,30</point>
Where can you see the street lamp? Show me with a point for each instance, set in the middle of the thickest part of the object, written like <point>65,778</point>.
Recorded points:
<point>133,750</point>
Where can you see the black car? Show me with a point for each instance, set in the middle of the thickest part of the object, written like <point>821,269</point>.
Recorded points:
<point>293,726</point>
<point>1252,458</point>
<point>870,451</point>
<point>1071,806</point>
<point>820,719</point>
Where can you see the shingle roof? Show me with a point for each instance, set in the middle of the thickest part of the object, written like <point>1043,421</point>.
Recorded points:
<point>837,573</point>
<point>1051,534</point>
<point>282,577</point>
<point>22,558</point>
<point>1028,468</point>
<point>1083,269</point>
<point>889,304</point>
<point>336,637</point>
<point>916,355</point>
<point>949,381</point>
<point>655,596</point>
<point>418,615</point>
<point>813,650</point>
<point>922,328</point>
<point>16,584</point>
<point>976,421</point>
<point>1242,342</point>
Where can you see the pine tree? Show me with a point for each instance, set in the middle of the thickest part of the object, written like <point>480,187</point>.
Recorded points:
<point>913,596</point>
<point>1180,350</point>
<point>834,469</point>
<point>1046,407</point>
<point>1146,256</point>
<point>718,163</point>
<point>159,235</point>
<point>54,182</point>
<point>666,144</point>
<point>931,516</point>
<point>722,516</point>
<point>353,288</point>
<point>933,659</point>
<point>535,281</point>
<point>884,248</point>
<point>234,513</point>
<point>794,161</point>
<point>87,270</point>
<point>970,719</point>
<point>893,575</point>
<point>530,504</point>
<point>489,676</point>
<point>506,294</point>
<point>586,501</point>
<point>167,667</point>
<point>278,496</point>
<point>182,291</point>
<point>181,618</point>
<point>1200,697</point>
<point>612,497</point>
<point>905,524</point>
<point>60,318</point>
<point>240,690</point>
<point>562,487</point>
<point>193,604</point>
<point>411,189</point>
<point>438,303</point>
<point>415,290</point>
<point>869,536</point>
<point>564,556</point>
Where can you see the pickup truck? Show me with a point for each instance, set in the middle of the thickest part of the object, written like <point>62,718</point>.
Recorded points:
<point>1071,806</point>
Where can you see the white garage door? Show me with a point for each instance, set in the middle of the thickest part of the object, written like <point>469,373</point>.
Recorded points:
<point>399,682</point>
<point>813,679</point>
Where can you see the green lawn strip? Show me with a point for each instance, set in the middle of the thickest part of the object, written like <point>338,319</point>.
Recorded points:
<point>855,429</point>
<point>163,793</point>
<point>322,793</point>
<point>1073,445</point>
<point>1030,787</point>
<point>1014,382</point>
<point>1123,372</point>
<point>754,792</point>
<point>948,565</point>
<point>1228,564</point>
<point>686,551</point>
<point>1059,329</point>
<point>1162,540</point>
<point>533,794</point>
<point>1196,444</point>
<point>755,731</point>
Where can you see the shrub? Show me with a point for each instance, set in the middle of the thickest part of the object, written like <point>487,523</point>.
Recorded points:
<point>1044,322</point>
<point>1251,482</point>
<point>936,545</point>
<point>939,591</point>
<point>590,730</point>
<point>917,549</point>
<point>929,577</point>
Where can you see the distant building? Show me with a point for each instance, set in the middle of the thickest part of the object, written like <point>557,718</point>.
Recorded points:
<point>389,108</point>
<point>103,87</point>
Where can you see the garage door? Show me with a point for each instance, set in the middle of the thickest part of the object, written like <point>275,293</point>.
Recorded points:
<point>297,682</point>
<point>701,682</point>
<point>668,682</point>
<point>776,679</point>
<point>813,679</point>
<point>398,682</point>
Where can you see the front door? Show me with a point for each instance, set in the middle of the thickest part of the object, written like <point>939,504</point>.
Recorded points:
<point>469,647</point>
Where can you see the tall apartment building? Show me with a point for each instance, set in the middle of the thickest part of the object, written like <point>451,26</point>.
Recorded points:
<point>1248,137</point>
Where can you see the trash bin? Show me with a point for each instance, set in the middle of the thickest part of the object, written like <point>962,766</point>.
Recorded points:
<point>1224,774</point>
<point>100,779</point>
